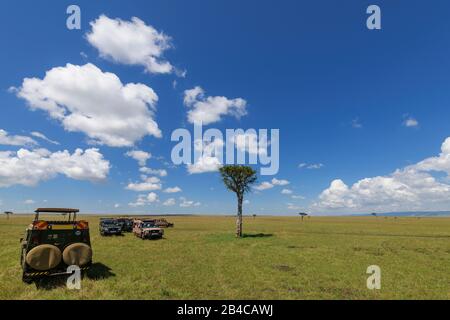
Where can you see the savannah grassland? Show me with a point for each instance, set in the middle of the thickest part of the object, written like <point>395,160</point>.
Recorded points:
<point>280,258</point>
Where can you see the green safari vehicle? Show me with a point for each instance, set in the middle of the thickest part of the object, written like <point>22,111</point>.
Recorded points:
<point>50,246</point>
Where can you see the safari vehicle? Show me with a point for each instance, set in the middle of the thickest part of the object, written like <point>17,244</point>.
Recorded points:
<point>108,226</point>
<point>50,246</point>
<point>126,224</point>
<point>146,229</point>
<point>163,223</point>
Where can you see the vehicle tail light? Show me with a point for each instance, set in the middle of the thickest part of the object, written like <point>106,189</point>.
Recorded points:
<point>82,225</point>
<point>40,225</point>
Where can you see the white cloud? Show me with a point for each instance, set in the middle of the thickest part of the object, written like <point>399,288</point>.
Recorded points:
<point>292,206</point>
<point>269,185</point>
<point>143,200</point>
<point>6,139</point>
<point>356,123</point>
<point>185,203</point>
<point>286,191</point>
<point>208,162</point>
<point>277,182</point>
<point>204,164</point>
<point>211,109</point>
<point>117,205</point>
<point>85,99</point>
<point>297,197</point>
<point>410,122</point>
<point>169,202</point>
<point>149,184</point>
<point>411,188</point>
<point>264,186</point>
<point>173,190</point>
<point>28,168</point>
<point>140,156</point>
<point>131,43</point>
<point>159,172</point>
<point>29,201</point>
<point>311,166</point>
<point>43,137</point>
<point>249,142</point>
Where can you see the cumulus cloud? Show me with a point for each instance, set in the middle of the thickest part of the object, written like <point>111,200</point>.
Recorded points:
<point>286,191</point>
<point>131,43</point>
<point>264,186</point>
<point>158,172</point>
<point>29,201</point>
<point>410,122</point>
<point>140,156</point>
<point>249,142</point>
<point>269,185</point>
<point>28,168</point>
<point>11,140</point>
<point>169,202</point>
<point>143,200</point>
<point>292,206</point>
<point>204,164</point>
<point>415,187</point>
<point>44,137</point>
<point>85,99</point>
<point>148,184</point>
<point>173,190</point>
<point>281,182</point>
<point>185,203</point>
<point>209,161</point>
<point>211,109</point>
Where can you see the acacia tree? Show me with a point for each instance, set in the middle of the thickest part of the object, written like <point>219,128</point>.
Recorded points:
<point>302,214</point>
<point>239,180</point>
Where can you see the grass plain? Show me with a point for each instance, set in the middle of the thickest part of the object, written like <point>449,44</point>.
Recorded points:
<point>279,258</point>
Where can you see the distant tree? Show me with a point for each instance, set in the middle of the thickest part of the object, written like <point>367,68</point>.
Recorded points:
<point>239,180</point>
<point>374,214</point>
<point>8,213</point>
<point>254,216</point>
<point>302,214</point>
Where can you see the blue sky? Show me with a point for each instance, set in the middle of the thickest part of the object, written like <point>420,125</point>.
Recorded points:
<point>353,105</point>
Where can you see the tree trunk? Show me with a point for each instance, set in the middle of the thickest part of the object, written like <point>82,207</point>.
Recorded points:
<point>239,217</point>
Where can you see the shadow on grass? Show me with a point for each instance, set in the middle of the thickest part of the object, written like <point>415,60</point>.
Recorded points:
<point>97,271</point>
<point>257,235</point>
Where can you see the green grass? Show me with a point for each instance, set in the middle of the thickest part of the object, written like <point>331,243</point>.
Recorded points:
<point>281,258</point>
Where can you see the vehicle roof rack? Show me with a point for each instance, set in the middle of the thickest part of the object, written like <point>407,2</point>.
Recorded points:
<point>56,210</point>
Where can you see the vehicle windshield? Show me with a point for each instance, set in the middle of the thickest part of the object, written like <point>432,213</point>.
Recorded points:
<point>148,225</point>
<point>109,223</point>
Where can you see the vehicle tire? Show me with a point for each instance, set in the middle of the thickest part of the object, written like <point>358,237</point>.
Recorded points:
<point>43,257</point>
<point>78,254</point>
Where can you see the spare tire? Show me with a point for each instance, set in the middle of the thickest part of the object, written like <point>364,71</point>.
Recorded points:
<point>77,254</point>
<point>43,257</point>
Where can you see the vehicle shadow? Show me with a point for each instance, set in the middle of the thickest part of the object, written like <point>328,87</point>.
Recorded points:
<point>97,271</point>
<point>257,235</point>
